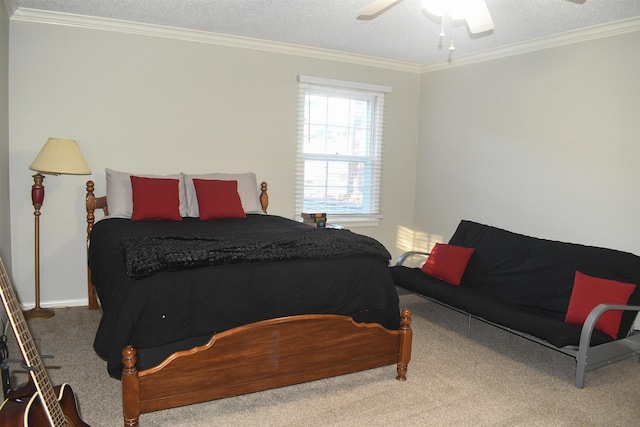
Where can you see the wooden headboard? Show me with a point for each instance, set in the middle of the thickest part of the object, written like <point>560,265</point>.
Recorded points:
<point>94,203</point>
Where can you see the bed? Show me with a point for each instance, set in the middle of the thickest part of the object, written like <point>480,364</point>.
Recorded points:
<point>260,302</point>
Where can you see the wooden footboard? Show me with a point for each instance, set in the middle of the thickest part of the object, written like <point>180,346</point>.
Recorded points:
<point>261,356</point>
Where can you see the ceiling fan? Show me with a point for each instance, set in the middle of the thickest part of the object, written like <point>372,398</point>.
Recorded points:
<point>474,12</point>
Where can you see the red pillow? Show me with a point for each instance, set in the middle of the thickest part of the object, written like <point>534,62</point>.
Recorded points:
<point>155,198</point>
<point>590,291</point>
<point>448,262</point>
<point>218,199</point>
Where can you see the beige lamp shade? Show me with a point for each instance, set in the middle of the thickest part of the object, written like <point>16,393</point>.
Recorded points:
<point>60,156</point>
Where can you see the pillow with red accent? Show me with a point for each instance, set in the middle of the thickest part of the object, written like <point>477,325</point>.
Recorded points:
<point>218,199</point>
<point>448,262</point>
<point>247,189</point>
<point>588,292</point>
<point>155,198</point>
<point>119,192</point>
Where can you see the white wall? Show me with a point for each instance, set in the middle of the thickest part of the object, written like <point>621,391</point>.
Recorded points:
<point>160,105</point>
<point>545,143</point>
<point>5,241</point>
<point>5,225</point>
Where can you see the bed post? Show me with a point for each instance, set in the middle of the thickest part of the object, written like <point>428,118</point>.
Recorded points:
<point>91,218</point>
<point>92,203</point>
<point>264,197</point>
<point>130,388</point>
<point>405,344</point>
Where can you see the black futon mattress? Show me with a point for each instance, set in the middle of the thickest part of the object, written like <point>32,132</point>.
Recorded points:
<point>525,283</point>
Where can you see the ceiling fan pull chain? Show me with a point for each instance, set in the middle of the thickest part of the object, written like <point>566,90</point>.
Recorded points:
<point>452,47</point>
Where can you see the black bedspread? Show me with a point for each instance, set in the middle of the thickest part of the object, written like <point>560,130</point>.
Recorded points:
<point>169,307</point>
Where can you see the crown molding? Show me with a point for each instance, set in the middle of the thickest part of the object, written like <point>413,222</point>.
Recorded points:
<point>108,24</point>
<point>584,34</point>
<point>11,6</point>
<point>116,25</point>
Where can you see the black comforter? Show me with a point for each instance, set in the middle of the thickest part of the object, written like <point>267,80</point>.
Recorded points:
<point>277,271</point>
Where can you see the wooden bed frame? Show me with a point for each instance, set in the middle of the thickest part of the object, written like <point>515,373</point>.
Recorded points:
<point>258,356</point>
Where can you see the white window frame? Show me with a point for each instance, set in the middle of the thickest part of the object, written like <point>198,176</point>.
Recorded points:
<point>372,159</point>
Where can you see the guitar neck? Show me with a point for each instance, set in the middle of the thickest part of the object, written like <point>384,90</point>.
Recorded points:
<point>29,352</point>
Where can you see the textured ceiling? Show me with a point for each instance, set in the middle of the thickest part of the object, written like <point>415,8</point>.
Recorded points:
<point>402,33</point>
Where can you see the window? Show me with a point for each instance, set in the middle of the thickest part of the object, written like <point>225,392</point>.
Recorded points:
<point>338,169</point>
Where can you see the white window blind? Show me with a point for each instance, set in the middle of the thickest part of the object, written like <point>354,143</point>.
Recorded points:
<point>339,156</point>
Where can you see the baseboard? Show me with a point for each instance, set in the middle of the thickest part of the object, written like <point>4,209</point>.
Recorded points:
<point>58,304</point>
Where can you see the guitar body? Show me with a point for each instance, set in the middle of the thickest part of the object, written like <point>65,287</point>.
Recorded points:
<point>38,404</point>
<point>26,410</point>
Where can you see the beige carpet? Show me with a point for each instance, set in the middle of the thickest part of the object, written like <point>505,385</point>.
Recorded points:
<point>493,378</point>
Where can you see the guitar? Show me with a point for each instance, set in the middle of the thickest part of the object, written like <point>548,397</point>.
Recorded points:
<point>38,403</point>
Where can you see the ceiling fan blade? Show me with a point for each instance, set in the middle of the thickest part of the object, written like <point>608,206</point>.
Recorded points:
<point>378,7</point>
<point>478,18</point>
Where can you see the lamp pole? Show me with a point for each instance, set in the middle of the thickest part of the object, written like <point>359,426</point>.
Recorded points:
<point>37,198</point>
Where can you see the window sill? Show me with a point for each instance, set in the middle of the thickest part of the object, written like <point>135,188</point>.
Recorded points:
<point>353,222</point>
<point>347,222</point>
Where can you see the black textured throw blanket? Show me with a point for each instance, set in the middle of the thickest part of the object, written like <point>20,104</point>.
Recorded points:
<point>144,256</point>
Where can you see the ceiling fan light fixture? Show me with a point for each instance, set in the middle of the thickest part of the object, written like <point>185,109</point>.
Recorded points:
<point>474,12</point>
<point>456,9</point>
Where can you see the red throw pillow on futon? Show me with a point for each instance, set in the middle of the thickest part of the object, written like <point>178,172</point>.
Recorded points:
<point>590,291</point>
<point>448,262</point>
<point>155,198</point>
<point>218,199</point>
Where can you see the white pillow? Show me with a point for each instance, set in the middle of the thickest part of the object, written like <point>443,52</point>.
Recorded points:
<point>247,189</point>
<point>120,196</point>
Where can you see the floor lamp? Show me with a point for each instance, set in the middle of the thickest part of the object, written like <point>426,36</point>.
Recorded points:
<point>57,157</point>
